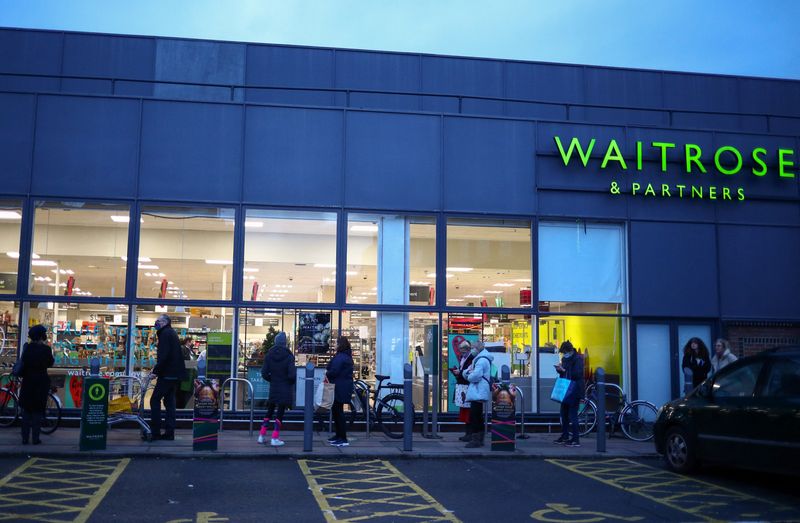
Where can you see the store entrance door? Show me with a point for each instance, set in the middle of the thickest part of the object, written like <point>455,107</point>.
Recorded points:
<point>658,352</point>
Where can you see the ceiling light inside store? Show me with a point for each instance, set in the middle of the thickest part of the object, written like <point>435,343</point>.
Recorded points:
<point>142,259</point>
<point>15,255</point>
<point>123,218</point>
<point>503,285</point>
<point>493,292</point>
<point>459,269</point>
<point>44,263</point>
<point>473,296</point>
<point>219,262</point>
<point>10,215</point>
<point>253,224</point>
<point>151,267</point>
<point>455,299</point>
<point>325,265</point>
<point>364,228</point>
<point>250,269</point>
<point>524,280</point>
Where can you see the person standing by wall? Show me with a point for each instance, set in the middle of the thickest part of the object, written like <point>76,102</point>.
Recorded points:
<point>280,372</point>
<point>571,368</point>
<point>696,361</point>
<point>462,385</point>
<point>479,391</point>
<point>169,369</point>
<point>340,373</point>
<point>722,355</point>
<point>36,357</point>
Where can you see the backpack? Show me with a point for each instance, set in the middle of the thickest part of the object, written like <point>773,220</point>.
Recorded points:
<point>492,380</point>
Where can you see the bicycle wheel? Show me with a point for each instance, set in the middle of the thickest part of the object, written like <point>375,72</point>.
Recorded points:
<point>587,417</point>
<point>52,415</point>
<point>637,420</point>
<point>9,408</point>
<point>389,414</point>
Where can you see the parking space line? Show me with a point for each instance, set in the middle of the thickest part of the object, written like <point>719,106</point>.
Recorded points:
<point>57,490</point>
<point>362,490</point>
<point>696,497</point>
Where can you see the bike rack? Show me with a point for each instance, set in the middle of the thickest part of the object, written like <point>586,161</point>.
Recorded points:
<point>522,434</point>
<point>365,390</point>
<point>222,401</point>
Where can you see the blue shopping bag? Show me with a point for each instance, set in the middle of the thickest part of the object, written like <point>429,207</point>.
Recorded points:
<point>562,389</point>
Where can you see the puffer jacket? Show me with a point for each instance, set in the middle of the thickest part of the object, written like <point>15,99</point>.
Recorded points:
<point>479,375</point>
<point>279,370</point>
<point>573,370</point>
<point>719,363</point>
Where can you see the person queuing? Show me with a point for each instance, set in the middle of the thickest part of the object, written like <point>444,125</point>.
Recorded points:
<point>169,369</point>
<point>36,357</point>
<point>722,355</point>
<point>571,368</point>
<point>696,362</point>
<point>281,374</point>
<point>479,391</point>
<point>340,373</point>
<point>462,385</point>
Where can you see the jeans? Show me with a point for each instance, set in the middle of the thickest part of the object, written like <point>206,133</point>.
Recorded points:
<point>337,410</point>
<point>165,390</point>
<point>569,417</point>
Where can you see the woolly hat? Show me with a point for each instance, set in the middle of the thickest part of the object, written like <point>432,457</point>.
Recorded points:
<point>37,333</point>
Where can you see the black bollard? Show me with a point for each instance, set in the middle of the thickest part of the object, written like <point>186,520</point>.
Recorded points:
<point>505,375</point>
<point>308,409</point>
<point>408,408</point>
<point>600,375</point>
<point>425,389</point>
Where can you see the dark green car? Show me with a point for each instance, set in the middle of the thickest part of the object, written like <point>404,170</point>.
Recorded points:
<point>747,415</point>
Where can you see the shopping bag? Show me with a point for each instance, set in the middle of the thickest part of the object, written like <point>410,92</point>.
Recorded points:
<point>460,396</point>
<point>323,396</point>
<point>562,389</point>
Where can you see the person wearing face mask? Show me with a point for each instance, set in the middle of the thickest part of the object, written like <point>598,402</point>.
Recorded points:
<point>722,355</point>
<point>478,375</point>
<point>169,370</point>
<point>571,368</point>
<point>462,385</point>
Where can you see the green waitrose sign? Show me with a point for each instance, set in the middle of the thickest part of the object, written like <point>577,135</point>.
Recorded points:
<point>728,161</point>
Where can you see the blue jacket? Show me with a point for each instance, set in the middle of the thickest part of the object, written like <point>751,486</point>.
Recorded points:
<point>279,370</point>
<point>478,375</point>
<point>573,370</point>
<point>340,373</point>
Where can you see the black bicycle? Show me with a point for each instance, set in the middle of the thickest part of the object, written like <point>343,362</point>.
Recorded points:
<point>387,411</point>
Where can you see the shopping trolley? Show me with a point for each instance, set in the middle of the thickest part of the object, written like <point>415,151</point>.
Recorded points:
<point>127,405</point>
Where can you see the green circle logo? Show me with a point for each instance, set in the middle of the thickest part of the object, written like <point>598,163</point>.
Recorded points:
<point>97,392</point>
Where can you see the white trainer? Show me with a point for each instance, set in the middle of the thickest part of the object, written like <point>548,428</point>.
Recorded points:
<point>277,442</point>
<point>260,439</point>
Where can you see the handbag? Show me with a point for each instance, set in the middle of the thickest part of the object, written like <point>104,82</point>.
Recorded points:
<point>323,396</point>
<point>460,396</point>
<point>562,388</point>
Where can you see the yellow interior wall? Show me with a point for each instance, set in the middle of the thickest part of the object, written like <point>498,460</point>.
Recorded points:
<point>601,336</point>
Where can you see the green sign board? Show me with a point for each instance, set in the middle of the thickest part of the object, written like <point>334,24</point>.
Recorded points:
<point>218,355</point>
<point>94,414</point>
<point>205,429</point>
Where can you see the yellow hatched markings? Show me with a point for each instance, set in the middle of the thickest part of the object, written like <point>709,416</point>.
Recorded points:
<point>693,496</point>
<point>57,489</point>
<point>369,490</point>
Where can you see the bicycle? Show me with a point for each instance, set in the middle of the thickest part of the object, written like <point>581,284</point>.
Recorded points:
<point>10,409</point>
<point>635,418</point>
<point>386,411</point>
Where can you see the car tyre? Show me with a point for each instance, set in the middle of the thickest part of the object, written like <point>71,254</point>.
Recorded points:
<point>679,451</point>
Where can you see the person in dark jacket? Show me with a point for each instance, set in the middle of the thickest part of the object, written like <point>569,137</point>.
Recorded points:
<point>571,368</point>
<point>281,374</point>
<point>340,373</point>
<point>37,357</point>
<point>696,361</point>
<point>169,369</point>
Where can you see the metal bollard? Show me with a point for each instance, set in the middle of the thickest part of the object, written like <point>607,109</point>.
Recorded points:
<point>600,375</point>
<point>308,409</point>
<point>408,408</point>
<point>505,375</point>
<point>521,397</point>
<point>425,389</point>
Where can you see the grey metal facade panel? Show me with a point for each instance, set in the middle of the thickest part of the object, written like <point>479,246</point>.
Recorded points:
<point>393,161</point>
<point>464,76</point>
<point>191,151</point>
<point>536,110</point>
<point>193,93</point>
<point>673,270</point>
<point>291,97</point>
<point>378,71</point>
<point>705,140</point>
<point>551,173</point>
<point>726,122</point>
<point>783,125</point>
<point>29,83</point>
<point>701,92</point>
<point>87,86</point>
<point>760,213</point>
<point>780,97</point>
<point>441,104</point>
<point>671,209</point>
<point>16,142</point>
<point>30,52</point>
<point>614,116</point>
<point>545,82</point>
<point>546,144</point>
<point>481,106</point>
<point>289,67</point>
<point>599,205</point>
<point>396,102</point>
<point>758,271</point>
<point>622,87</point>
<point>108,56</point>
<point>491,162</point>
<point>86,147</point>
<point>201,62</point>
<point>293,156</point>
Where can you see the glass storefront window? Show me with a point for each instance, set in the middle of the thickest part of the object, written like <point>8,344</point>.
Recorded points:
<point>10,334</point>
<point>186,253</point>
<point>581,268</point>
<point>488,263</point>
<point>79,249</point>
<point>391,259</point>
<point>289,256</point>
<point>10,226</point>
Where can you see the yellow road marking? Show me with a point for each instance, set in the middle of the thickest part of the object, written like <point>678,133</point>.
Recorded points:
<point>357,491</point>
<point>693,496</point>
<point>55,485</point>
<point>566,510</point>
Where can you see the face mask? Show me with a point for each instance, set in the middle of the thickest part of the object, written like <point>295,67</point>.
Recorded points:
<point>473,351</point>
<point>568,355</point>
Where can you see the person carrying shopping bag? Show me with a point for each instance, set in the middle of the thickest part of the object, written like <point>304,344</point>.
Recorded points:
<point>340,373</point>
<point>571,368</point>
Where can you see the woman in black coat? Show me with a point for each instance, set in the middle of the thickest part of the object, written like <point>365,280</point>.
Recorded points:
<point>37,357</point>
<point>340,373</point>
<point>281,374</point>
<point>696,361</point>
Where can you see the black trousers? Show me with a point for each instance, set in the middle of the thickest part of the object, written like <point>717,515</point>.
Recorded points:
<point>165,390</point>
<point>31,423</point>
<point>476,424</point>
<point>569,420</point>
<point>337,410</point>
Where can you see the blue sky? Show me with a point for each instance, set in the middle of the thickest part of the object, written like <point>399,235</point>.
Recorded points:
<point>758,37</point>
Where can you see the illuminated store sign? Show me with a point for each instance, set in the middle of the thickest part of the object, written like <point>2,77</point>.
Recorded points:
<point>728,161</point>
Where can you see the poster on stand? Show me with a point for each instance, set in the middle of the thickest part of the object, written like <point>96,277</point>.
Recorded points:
<point>205,428</point>
<point>454,355</point>
<point>94,414</point>
<point>503,418</point>
<point>313,332</point>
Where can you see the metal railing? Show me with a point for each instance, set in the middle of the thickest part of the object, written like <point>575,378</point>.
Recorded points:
<point>222,400</point>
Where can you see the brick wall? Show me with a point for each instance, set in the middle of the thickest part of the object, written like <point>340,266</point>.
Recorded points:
<point>748,338</point>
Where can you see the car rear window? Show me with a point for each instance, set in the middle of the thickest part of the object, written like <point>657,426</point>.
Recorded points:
<point>738,383</point>
<point>784,378</point>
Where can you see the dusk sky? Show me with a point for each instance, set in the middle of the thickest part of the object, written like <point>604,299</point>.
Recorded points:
<point>759,38</point>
